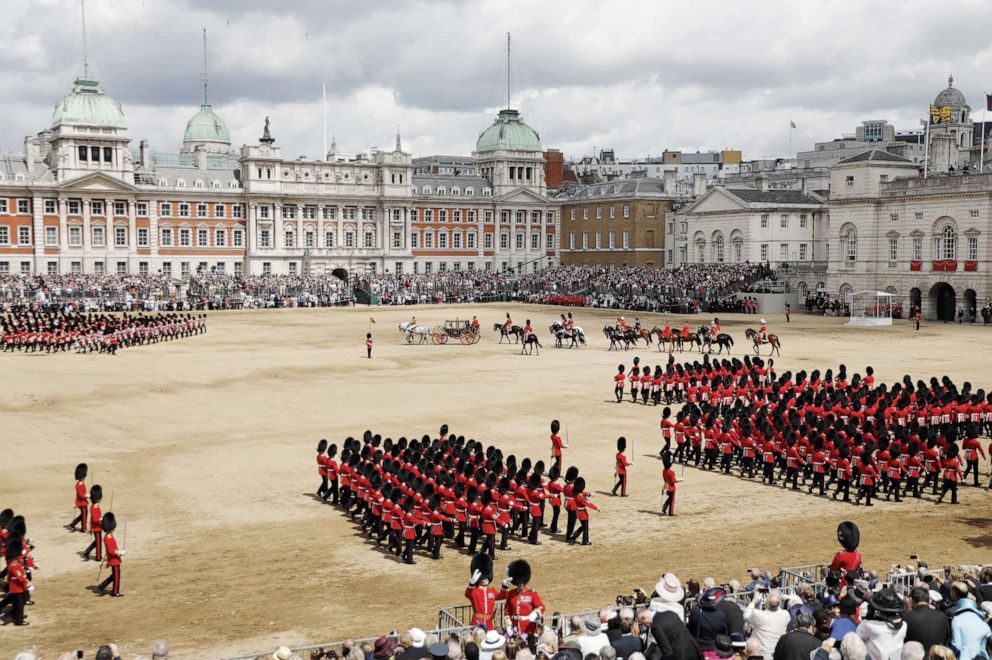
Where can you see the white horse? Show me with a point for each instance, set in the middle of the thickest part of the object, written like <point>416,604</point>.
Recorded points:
<point>410,330</point>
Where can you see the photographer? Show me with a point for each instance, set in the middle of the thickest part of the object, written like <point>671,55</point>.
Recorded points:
<point>768,624</point>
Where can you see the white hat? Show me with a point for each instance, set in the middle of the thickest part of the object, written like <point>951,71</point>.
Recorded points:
<point>493,641</point>
<point>282,653</point>
<point>669,588</point>
<point>935,596</point>
<point>764,321</point>
<point>418,637</point>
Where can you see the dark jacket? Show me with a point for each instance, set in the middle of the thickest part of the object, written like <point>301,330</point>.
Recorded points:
<point>673,638</point>
<point>796,645</point>
<point>626,645</point>
<point>705,625</point>
<point>734,614</point>
<point>927,626</point>
<point>414,653</point>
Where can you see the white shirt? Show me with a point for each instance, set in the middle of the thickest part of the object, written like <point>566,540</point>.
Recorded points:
<point>592,643</point>
<point>767,626</point>
<point>883,642</point>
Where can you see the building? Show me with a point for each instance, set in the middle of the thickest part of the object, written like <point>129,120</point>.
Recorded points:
<point>777,227</point>
<point>78,200</point>
<point>606,167</point>
<point>622,223</point>
<point>927,240</point>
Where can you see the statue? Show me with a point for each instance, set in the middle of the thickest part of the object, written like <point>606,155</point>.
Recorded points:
<point>266,136</point>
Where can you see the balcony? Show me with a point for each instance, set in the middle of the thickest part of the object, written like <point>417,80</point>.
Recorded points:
<point>944,265</point>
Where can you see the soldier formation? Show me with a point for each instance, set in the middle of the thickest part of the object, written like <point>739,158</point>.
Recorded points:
<point>33,332</point>
<point>103,527</point>
<point>419,494</point>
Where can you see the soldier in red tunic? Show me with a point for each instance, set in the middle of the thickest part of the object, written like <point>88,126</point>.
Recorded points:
<point>482,597</point>
<point>322,469</point>
<point>620,470</point>
<point>523,605</point>
<point>80,501</point>
<point>668,506</point>
<point>96,520</point>
<point>535,502</point>
<point>18,584</point>
<point>952,474</point>
<point>848,562</point>
<point>114,556</point>
<point>582,506</point>
<point>556,444</point>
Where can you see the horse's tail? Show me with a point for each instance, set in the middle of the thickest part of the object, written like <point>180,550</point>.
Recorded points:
<point>730,340</point>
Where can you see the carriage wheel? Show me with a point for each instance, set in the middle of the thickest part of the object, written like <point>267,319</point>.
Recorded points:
<point>439,338</point>
<point>466,338</point>
<point>476,337</point>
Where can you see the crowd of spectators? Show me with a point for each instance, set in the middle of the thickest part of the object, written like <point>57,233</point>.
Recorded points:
<point>939,615</point>
<point>449,286</point>
<point>159,651</point>
<point>267,291</point>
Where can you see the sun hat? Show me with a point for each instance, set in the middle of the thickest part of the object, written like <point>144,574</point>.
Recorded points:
<point>669,588</point>
<point>418,637</point>
<point>282,653</point>
<point>383,647</point>
<point>590,624</point>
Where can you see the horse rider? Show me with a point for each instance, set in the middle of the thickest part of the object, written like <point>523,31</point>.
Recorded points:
<point>508,323</point>
<point>622,324</point>
<point>413,322</point>
<point>684,333</point>
<point>570,323</point>
<point>763,331</point>
<point>637,325</point>
<point>528,330</point>
<point>566,329</point>
<point>715,328</point>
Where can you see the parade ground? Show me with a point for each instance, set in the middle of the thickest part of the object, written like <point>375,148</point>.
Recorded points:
<point>205,448</point>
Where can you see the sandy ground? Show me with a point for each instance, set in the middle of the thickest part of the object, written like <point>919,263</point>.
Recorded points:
<point>206,447</point>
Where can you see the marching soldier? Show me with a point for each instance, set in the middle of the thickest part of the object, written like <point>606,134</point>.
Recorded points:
<point>96,520</point>
<point>18,583</point>
<point>114,556</point>
<point>523,605</point>
<point>668,506</point>
<point>322,469</point>
<point>571,474</point>
<point>952,474</point>
<point>556,444</point>
<point>482,597</point>
<point>618,381</point>
<point>582,506</point>
<point>80,502</point>
<point>621,468</point>
<point>535,500</point>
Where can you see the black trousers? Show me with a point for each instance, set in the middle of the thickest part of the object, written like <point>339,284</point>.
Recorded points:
<point>332,491</point>
<point>16,602</point>
<point>620,485</point>
<point>709,462</point>
<point>668,506</point>
<point>97,545</point>
<point>912,483</point>
<point>768,473</point>
<point>582,530</point>
<point>747,467</point>
<point>81,519</point>
<point>555,511</point>
<point>792,474</point>
<point>322,491</point>
<point>569,523</point>
<point>949,486</point>
<point>535,524</point>
<point>843,486</point>
<point>114,578</point>
<point>865,492</point>
<point>818,478</point>
<point>725,462</point>
<point>895,488</point>
<point>972,468</point>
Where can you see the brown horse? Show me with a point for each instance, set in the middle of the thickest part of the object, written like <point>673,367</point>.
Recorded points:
<point>670,342</point>
<point>773,341</point>
<point>692,338</point>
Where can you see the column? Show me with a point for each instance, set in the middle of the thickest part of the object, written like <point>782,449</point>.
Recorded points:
<point>38,233</point>
<point>132,237</point>
<point>277,240</point>
<point>252,229</point>
<point>63,235</point>
<point>87,238</point>
<point>340,232</point>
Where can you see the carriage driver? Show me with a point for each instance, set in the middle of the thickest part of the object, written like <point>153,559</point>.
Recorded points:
<point>715,328</point>
<point>475,325</point>
<point>763,331</point>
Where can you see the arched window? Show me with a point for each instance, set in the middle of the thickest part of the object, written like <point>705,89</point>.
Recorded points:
<point>701,251</point>
<point>851,244</point>
<point>946,243</point>
<point>718,249</point>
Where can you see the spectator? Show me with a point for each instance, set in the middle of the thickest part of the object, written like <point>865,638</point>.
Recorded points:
<point>493,642</point>
<point>769,624</point>
<point>845,622</point>
<point>627,644</point>
<point>912,651</point>
<point>438,651</point>
<point>413,648</point>
<point>160,650</point>
<point>925,624</point>
<point>383,648</point>
<point>884,630</point>
<point>724,647</point>
<point>800,643</point>
<point>593,639</point>
<point>607,653</point>
<point>107,653</point>
<point>758,579</point>
<point>706,621</point>
<point>470,651</point>
<point>969,632</point>
<point>668,595</point>
<point>752,649</point>
<point>574,630</point>
<point>941,652</point>
<point>824,622</point>
<point>734,614</point>
<point>672,638</point>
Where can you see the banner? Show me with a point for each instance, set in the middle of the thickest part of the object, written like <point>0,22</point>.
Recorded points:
<point>940,114</point>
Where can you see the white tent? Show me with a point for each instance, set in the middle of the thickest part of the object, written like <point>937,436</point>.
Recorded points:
<point>871,308</point>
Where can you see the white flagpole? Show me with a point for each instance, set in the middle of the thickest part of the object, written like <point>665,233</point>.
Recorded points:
<point>323,108</point>
<point>926,146</point>
<point>981,155</point>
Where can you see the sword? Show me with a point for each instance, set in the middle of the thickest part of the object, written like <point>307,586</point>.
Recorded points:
<point>568,443</point>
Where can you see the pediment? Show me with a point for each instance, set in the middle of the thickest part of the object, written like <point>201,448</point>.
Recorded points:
<point>97,182</point>
<point>522,195</point>
<point>715,200</point>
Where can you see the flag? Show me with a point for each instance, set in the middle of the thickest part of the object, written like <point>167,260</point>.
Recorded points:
<point>371,320</point>
<point>988,101</point>
<point>792,124</point>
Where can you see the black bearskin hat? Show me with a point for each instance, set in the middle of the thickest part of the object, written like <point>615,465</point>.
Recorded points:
<point>666,459</point>
<point>519,572</point>
<point>96,493</point>
<point>5,517</point>
<point>15,548</point>
<point>555,425</point>
<point>322,446</point>
<point>849,535</point>
<point>535,481</point>
<point>482,563</point>
<point>81,471</point>
<point>444,431</point>
<point>109,522</point>
<point>951,451</point>
<point>579,485</point>
<point>18,526</point>
<point>571,474</point>
<point>621,444</point>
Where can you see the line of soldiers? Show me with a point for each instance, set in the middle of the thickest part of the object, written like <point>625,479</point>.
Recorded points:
<point>33,332</point>
<point>523,608</point>
<point>16,575</point>
<point>675,382</point>
<point>831,430</point>
<point>102,526</point>
<point>419,493</point>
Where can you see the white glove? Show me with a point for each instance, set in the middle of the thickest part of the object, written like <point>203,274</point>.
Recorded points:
<point>507,582</point>
<point>476,576</point>
<point>533,615</point>
<point>31,588</point>
<point>123,553</point>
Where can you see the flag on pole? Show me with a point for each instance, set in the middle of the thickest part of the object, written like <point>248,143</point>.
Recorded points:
<point>988,101</point>
<point>792,124</point>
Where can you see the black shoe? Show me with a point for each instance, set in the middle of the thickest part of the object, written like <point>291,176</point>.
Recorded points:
<point>586,543</point>
<point>22,623</point>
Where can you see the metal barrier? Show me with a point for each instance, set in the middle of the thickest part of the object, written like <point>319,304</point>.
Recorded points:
<point>805,574</point>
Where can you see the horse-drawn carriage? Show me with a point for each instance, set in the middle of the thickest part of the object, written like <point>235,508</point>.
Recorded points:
<point>457,329</point>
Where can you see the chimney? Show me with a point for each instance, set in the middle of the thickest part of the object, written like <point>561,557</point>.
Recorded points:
<point>669,182</point>
<point>698,184</point>
<point>30,152</point>
<point>762,182</point>
<point>145,155</point>
<point>200,153</point>
<point>802,185</point>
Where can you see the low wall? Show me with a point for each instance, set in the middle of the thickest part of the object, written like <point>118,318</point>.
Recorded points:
<point>772,303</point>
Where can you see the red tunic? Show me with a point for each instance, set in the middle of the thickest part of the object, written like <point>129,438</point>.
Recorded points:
<point>519,604</point>
<point>110,544</point>
<point>483,601</point>
<point>17,577</point>
<point>80,493</point>
<point>622,463</point>
<point>669,476</point>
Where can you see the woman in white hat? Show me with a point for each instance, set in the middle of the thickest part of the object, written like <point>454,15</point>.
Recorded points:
<point>668,595</point>
<point>492,643</point>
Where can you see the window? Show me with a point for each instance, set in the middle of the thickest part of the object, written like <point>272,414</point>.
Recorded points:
<point>428,215</point>
<point>504,241</point>
<point>918,215</point>
<point>972,248</point>
<point>73,206</point>
<point>329,213</point>
<point>266,268</point>
<point>397,239</point>
<point>236,211</point>
<point>292,268</point>
<point>489,217</point>
<point>597,242</point>
<point>349,239</point>
<point>25,267</point>
<point>220,237</point>
<point>442,239</point>
<point>120,209</point>
<point>883,178</point>
<point>83,154</point>
<point>96,208</point>
<point>520,241</point>
<point>764,221</point>
<point>165,209</point>
<point>456,216</point>
<point>309,238</point>
<point>75,236</point>
<point>738,249</point>
<point>701,251</point>
<point>108,155</point>
<point>764,251</point>
<point>625,237</point>
<point>24,236</point>
<point>783,221</point>
<point>429,267</point>
<point>613,212</point>
<point>185,237</point>
<point>238,238</point>
<point>183,210</point>
<point>309,212</point>
<point>289,212</point>
<point>718,249</point>
<point>456,240</point>
<point>51,236</point>
<point>289,238</point>
<point>50,207</point>
<point>442,215</point>
<point>917,249</point>
<point>414,238</point>
<point>802,220</point>
<point>95,154</point>
<point>76,267</point>
<point>142,237</point>
<point>585,214</point>
<point>98,268</point>
<point>894,217</point>
<point>142,209</point>
<point>98,236</point>
<point>487,242</point>
<point>53,268</point>
<point>368,214</point>
<point>328,238</point>
<point>549,242</point>
<point>851,245</point>
<point>893,248</point>
<point>520,217</point>
<point>599,212</point>
<point>369,239</point>
<point>202,237</point>
<point>166,238</point>
<point>218,210</point>
<point>263,212</point>
<point>504,217</point>
<point>571,214</point>
<point>122,268</point>
<point>626,210</point>
<point>585,240</point>
<point>611,240</point>
<point>946,243</point>
<point>4,235</point>
<point>550,217</point>
<point>849,182</point>
<point>22,206</point>
<point>120,236</point>
<point>201,210</point>
<point>973,213</point>
<point>470,240</point>
<point>571,241</point>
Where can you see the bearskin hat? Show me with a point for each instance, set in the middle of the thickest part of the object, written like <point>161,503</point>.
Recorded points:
<point>666,459</point>
<point>571,474</point>
<point>849,535</point>
<point>96,493</point>
<point>81,471</point>
<point>322,446</point>
<point>539,467</point>
<point>579,485</point>
<point>951,451</point>
<point>18,526</point>
<point>5,517</point>
<point>554,472</point>
<point>15,548</point>
<point>482,563</point>
<point>519,572</point>
<point>535,481</point>
<point>109,522</point>
<point>621,444</point>
<point>444,430</point>
<point>555,425</point>
<point>487,498</point>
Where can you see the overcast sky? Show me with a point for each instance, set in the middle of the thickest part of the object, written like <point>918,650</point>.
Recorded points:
<point>636,76</point>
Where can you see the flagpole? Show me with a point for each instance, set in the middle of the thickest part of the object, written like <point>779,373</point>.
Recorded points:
<point>926,148</point>
<point>981,155</point>
<point>791,124</point>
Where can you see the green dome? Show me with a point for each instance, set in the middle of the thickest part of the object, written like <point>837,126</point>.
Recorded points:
<point>87,105</point>
<point>509,132</point>
<point>206,126</point>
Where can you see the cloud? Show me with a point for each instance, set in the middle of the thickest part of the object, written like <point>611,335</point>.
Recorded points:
<point>636,76</point>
